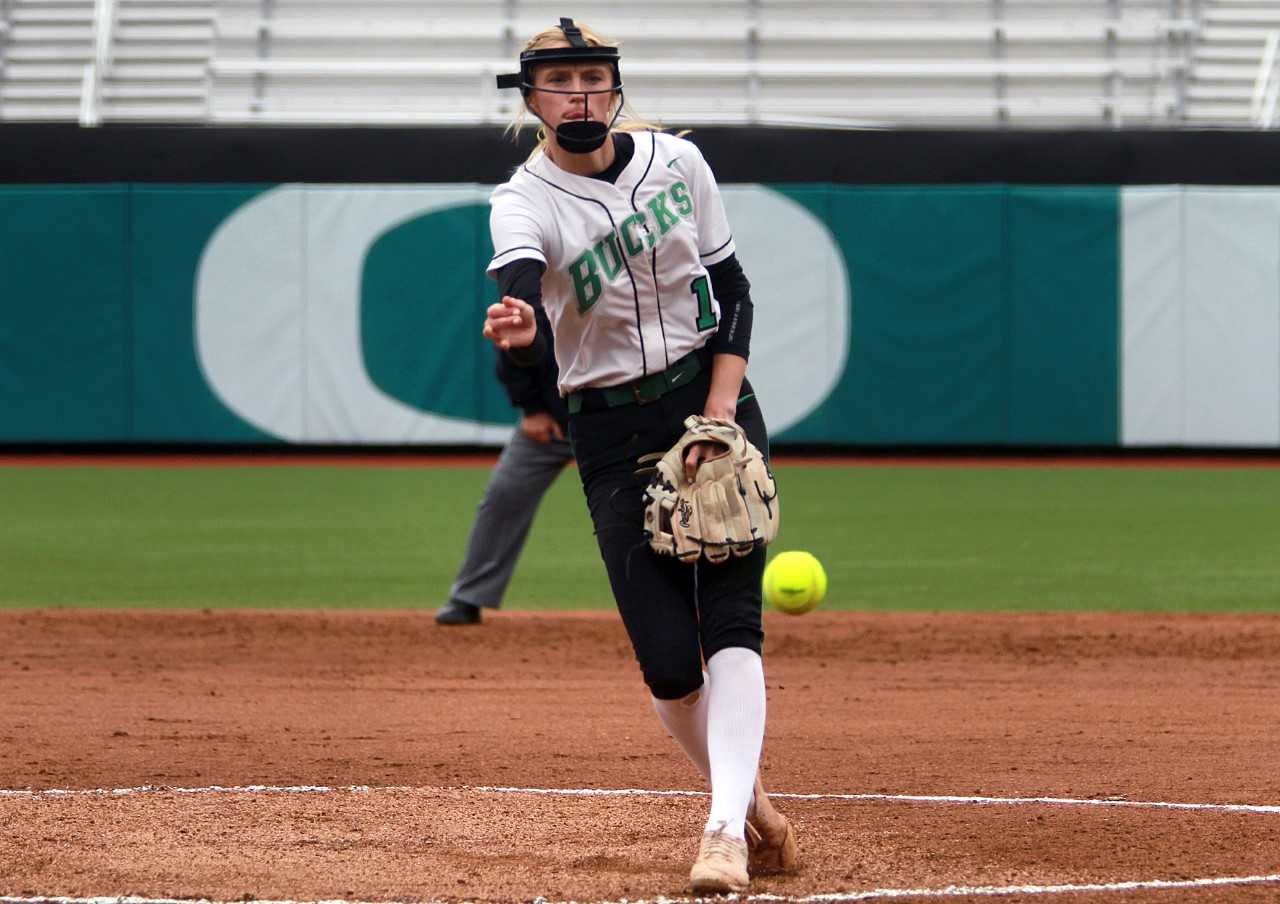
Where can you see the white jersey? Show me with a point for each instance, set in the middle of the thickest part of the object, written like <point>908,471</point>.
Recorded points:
<point>626,286</point>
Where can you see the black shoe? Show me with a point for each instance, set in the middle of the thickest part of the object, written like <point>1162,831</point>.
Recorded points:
<point>456,612</point>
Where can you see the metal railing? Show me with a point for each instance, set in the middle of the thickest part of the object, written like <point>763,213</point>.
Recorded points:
<point>1266,87</point>
<point>95,72</point>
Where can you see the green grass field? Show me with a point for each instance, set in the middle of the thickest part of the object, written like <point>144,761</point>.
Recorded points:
<point>891,538</point>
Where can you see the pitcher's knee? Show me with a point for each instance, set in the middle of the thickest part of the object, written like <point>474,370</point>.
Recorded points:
<point>667,683</point>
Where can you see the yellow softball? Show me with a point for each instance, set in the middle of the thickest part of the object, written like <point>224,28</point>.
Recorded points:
<point>794,582</point>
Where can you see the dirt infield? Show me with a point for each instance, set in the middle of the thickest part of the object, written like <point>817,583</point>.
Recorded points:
<point>436,726</point>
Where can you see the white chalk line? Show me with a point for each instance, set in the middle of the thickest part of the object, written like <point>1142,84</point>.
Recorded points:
<point>648,792</point>
<point>911,798</point>
<point>877,894</point>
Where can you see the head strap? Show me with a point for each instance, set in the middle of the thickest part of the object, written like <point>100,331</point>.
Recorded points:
<point>572,32</point>
<point>578,51</point>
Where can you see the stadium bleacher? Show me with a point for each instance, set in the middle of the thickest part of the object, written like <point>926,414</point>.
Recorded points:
<point>1101,63</point>
<point>1228,60</point>
<point>110,59</point>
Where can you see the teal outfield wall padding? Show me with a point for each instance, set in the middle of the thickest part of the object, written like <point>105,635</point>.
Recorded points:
<point>98,342</point>
<point>1064,325</point>
<point>65,343</point>
<point>980,315</point>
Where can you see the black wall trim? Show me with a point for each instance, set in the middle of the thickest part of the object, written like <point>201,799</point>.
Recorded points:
<point>65,153</point>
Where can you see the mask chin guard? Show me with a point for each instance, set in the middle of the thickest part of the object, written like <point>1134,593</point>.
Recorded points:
<point>582,136</point>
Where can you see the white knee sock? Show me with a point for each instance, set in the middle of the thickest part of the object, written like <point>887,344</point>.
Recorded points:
<point>735,734</point>
<point>686,721</point>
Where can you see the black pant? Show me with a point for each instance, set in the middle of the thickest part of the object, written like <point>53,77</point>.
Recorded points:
<point>677,614</point>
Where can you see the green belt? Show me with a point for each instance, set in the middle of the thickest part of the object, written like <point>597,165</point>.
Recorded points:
<point>642,391</point>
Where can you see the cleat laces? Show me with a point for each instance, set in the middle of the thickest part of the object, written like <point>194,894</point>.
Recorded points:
<point>718,845</point>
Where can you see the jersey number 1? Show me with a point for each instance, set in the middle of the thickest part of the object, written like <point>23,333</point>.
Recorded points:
<point>706,316</point>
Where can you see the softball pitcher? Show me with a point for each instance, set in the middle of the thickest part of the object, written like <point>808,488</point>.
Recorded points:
<point>615,242</point>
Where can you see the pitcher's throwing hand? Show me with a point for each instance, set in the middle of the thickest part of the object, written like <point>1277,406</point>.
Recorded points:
<point>510,323</point>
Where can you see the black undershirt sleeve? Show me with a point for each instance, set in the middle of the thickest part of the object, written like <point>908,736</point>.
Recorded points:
<point>523,279</point>
<point>730,286</point>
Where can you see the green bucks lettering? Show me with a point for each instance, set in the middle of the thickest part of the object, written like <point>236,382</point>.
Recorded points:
<point>658,207</point>
<point>605,255</point>
<point>610,256</point>
<point>586,284</point>
<point>680,194</point>
<point>633,245</point>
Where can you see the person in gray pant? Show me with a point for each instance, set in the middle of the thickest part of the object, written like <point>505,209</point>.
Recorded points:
<point>535,455</point>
